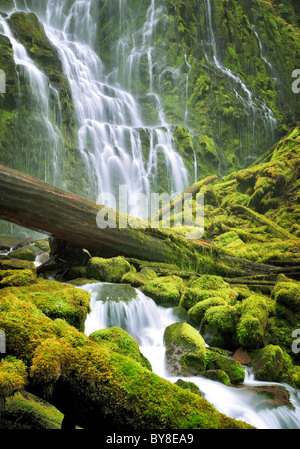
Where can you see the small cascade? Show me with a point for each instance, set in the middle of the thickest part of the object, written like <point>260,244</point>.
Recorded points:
<point>146,322</point>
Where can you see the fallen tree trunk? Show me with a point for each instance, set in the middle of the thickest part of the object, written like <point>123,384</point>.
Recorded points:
<point>67,217</point>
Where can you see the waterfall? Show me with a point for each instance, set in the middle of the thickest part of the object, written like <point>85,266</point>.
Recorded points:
<point>117,147</point>
<point>35,90</point>
<point>254,108</point>
<point>146,322</point>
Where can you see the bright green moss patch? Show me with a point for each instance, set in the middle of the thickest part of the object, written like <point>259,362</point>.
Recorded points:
<point>116,293</point>
<point>270,363</point>
<point>24,253</point>
<point>121,342</point>
<point>232,368</point>
<point>17,278</point>
<point>185,349</point>
<point>206,287</point>
<point>190,386</point>
<point>196,313</point>
<point>165,290</point>
<point>218,326</point>
<point>253,322</point>
<point>27,411</point>
<point>13,376</point>
<point>15,264</point>
<point>56,300</point>
<point>111,389</point>
<point>107,270</point>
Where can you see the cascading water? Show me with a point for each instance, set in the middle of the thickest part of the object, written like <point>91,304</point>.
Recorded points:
<point>34,86</point>
<point>111,129</point>
<point>254,108</point>
<point>146,322</point>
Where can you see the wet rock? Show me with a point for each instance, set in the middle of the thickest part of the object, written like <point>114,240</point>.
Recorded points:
<point>241,356</point>
<point>269,396</point>
<point>6,243</point>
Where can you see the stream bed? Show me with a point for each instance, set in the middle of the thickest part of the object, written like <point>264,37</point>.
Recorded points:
<point>145,321</point>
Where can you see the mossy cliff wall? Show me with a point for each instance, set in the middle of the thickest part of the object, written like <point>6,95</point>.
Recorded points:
<point>222,70</point>
<point>228,110</point>
<point>46,149</point>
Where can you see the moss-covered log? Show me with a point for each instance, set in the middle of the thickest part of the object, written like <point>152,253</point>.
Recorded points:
<point>91,384</point>
<point>40,206</point>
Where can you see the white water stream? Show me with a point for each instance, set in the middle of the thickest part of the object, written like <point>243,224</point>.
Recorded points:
<point>146,322</point>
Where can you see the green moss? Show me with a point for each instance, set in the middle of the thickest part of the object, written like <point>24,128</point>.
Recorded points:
<point>116,293</point>
<point>205,287</point>
<point>196,313</point>
<point>27,411</point>
<point>253,322</point>
<point>209,282</point>
<point>121,342</point>
<point>185,349</point>
<point>7,242</point>
<point>104,383</point>
<point>270,363</point>
<point>17,278</point>
<point>107,270</point>
<point>218,326</point>
<point>217,375</point>
<point>134,279</point>
<point>56,300</point>
<point>13,376</point>
<point>232,368</point>
<point>288,294</point>
<point>190,386</point>
<point>15,264</point>
<point>165,290</point>
<point>292,377</point>
<point>42,244</point>
<point>24,253</point>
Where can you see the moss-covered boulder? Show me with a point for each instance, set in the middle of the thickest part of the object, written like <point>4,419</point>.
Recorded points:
<point>92,385</point>
<point>190,386</point>
<point>15,264</point>
<point>116,293</point>
<point>252,324</point>
<point>270,363</point>
<point>55,300</point>
<point>185,349</point>
<point>288,295</point>
<point>17,278</point>
<point>26,252</point>
<point>42,244</point>
<point>121,342</point>
<point>140,278</point>
<point>205,287</point>
<point>218,326</point>
<point>233,368</point>
<point>7,242</point>
<point>107,270</point>
<point>196,313</point>
<point>165,290</point>
<point>218,375</point>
